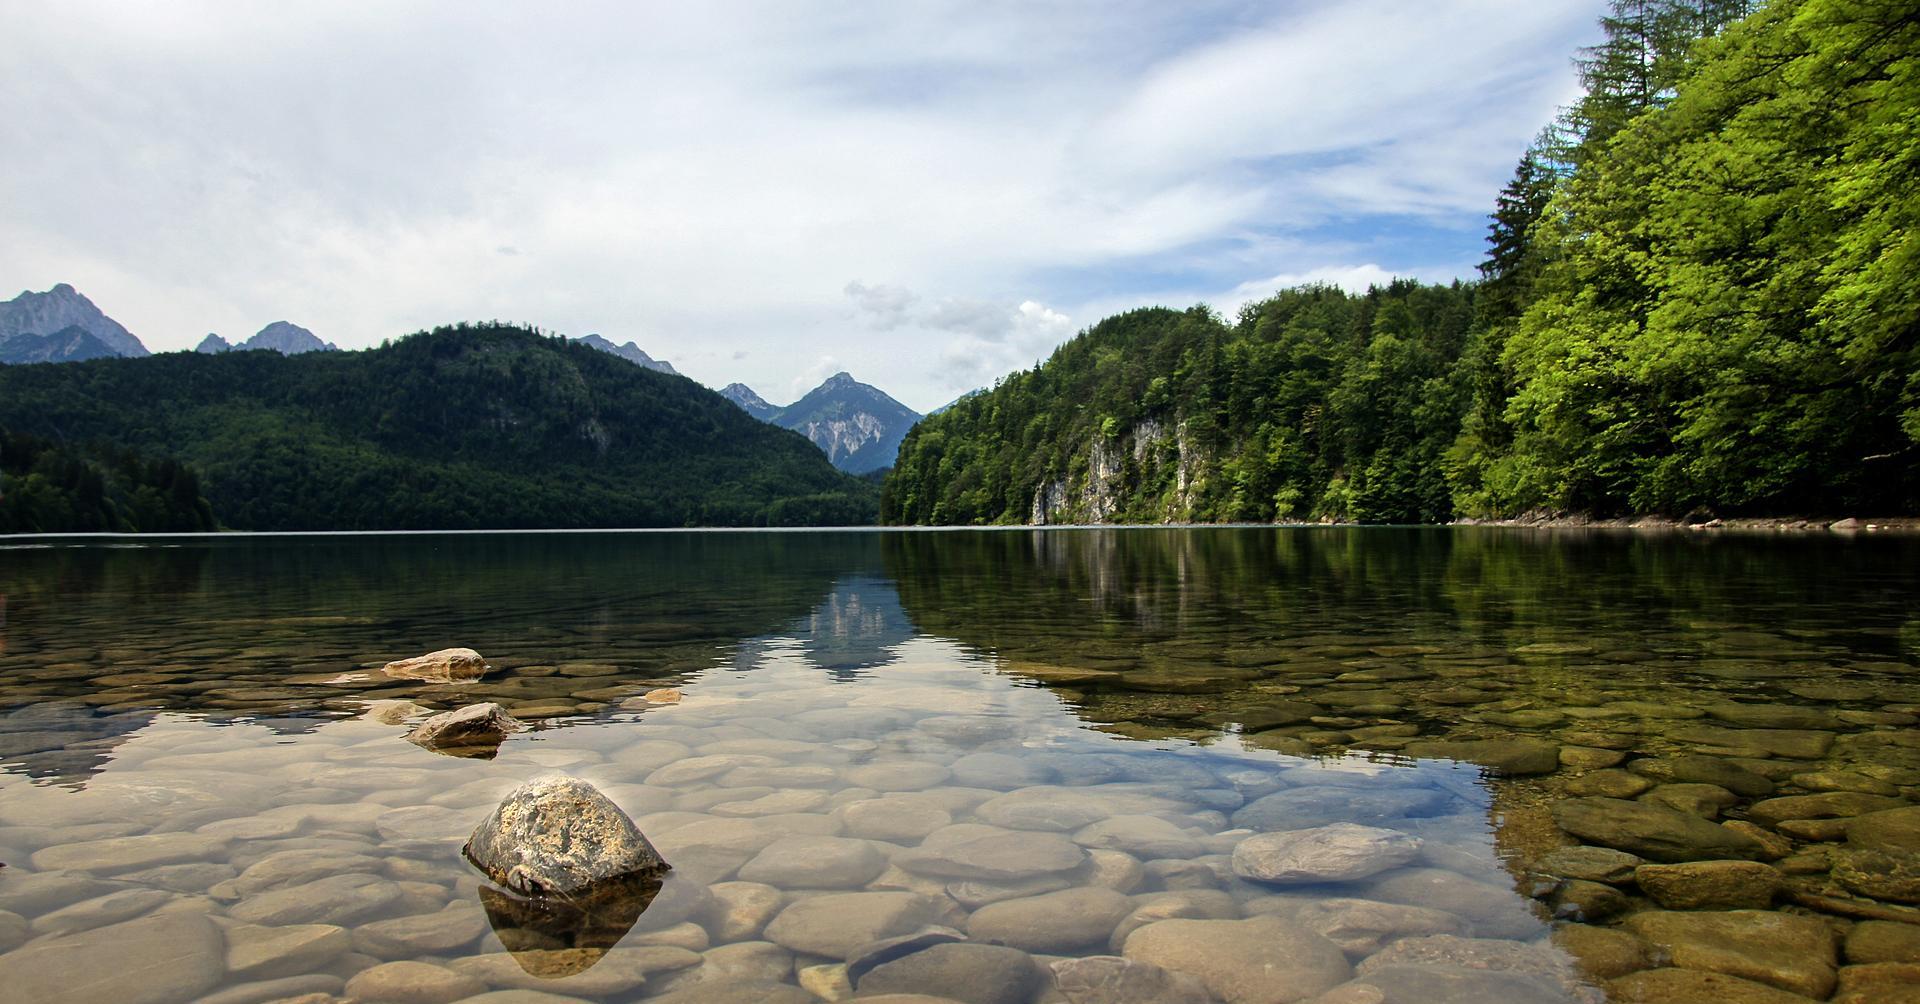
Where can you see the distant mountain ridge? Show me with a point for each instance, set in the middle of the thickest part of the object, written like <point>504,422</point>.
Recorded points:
<point>630,352</point>
<point>284,337</point>
<point>858,426</point>
<point>60,308</point>
<point>469,427</point>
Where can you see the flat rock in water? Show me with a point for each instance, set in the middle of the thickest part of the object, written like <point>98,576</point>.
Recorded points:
<point>993,856</point>
<point>162,959</point>
<point>1341,852</point>
<point>1787,951</point>
<point>1825,805</point>
<point>1055,923</point>
<point>1593,864</point>
<point>978,974</point>
<point>473,731</point>
<point>1651,831</point>
<point>1319,805</point>
<point>1797,744</point>
<point>1113,979</point>
<point>838,924</point>
<point>1710,885</point>
<point>1685,986</point>
<point>1362,927</point>
<point>812,862</point>
<point>1452,984</point>
<point>559,835</point>
<point>1892,875</point>
<point>1886,830</point>
<point>1264,960</point>
<point>1517,757</point>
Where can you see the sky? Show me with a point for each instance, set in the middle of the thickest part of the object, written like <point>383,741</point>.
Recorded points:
<point>929,195</point>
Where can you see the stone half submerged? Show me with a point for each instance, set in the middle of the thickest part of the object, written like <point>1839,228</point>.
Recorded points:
<point>559,836</point>
<point>449,665</point>
<point>576,874</point>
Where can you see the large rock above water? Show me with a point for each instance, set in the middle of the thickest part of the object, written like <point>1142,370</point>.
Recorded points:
<point>449,665</point>
<point>1651,831</point>
<point>1341,852</point>
<point>1264,960</point>
<point>558,835</point>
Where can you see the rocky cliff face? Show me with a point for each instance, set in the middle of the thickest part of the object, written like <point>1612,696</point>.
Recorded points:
<point>213,344</point>
<point>1120,474</point>
<point>58,309</point>
<point>630,352</point>
<point>856,425</point>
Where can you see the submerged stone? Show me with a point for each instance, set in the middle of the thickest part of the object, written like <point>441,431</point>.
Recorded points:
<point>1341,852</point>
<point>1264,960</point>
<point>1651,831</point>
<point>560,836</point>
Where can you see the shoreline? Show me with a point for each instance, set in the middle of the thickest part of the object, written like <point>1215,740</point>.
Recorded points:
<point>1771,524</point>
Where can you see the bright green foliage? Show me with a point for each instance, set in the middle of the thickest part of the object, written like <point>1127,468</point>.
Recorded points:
<point>466,427</point>
<point>1702,293</point>
<point>1728,313</point>
<point>1316,404</point>
<point>49,488</point>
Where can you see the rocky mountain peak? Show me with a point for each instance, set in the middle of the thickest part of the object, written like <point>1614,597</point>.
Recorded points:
<point>213,344</point>
<point>630,352</point>
<point>60,308</point>
<point>285,338</point>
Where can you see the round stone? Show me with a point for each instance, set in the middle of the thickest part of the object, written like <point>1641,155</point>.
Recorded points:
<point>1341,852</point>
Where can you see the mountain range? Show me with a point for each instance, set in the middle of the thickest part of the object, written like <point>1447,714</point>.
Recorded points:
<point>858,426</point>
<point>466,427</point>
<point>281,336</point>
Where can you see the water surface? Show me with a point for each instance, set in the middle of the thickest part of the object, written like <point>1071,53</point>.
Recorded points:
<point>1048,740</point>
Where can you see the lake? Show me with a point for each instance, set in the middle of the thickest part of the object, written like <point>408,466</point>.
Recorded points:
<point>1336,765</point>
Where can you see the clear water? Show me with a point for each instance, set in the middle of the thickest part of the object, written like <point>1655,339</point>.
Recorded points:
<point>199,750</point>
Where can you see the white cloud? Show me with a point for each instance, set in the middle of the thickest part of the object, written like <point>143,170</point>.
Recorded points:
<point>703,178</point>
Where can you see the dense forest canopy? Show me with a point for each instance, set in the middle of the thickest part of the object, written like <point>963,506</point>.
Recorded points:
<point>48,487</point>
<point>1701,293</point>
<point>486,426</point>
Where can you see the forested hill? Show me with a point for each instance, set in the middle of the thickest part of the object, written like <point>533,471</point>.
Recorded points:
<point>1315,403</point>
<point>467,427</point>
<point>1702,295</point>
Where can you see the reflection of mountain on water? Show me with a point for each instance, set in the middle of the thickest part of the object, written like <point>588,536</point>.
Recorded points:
<point>287,633</point>
<point>856,627</point>
<point>63,741</point>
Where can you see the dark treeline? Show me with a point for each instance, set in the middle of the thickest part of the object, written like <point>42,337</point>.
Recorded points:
<point>1702,293</point>
<point>48,487</point>
<point>487,426</point>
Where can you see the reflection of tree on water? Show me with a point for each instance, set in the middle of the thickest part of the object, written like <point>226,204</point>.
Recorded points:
<point>856,627</point>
